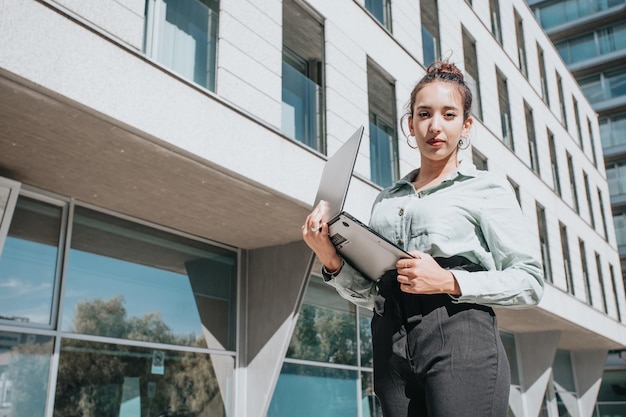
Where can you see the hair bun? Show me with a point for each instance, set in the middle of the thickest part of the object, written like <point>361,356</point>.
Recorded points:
<point>446,70</point>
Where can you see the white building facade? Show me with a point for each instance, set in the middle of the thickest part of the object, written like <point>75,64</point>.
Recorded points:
<point>158,157</point>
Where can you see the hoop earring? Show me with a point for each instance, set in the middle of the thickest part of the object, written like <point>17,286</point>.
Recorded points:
<point>462,145</point>
<point>409,143</point>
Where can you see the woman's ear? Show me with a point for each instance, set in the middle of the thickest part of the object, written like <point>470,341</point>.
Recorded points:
<point>410,123</point>
<point>467,125</point>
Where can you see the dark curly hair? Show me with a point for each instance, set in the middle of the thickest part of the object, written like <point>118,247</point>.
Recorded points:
<point>448,72</point>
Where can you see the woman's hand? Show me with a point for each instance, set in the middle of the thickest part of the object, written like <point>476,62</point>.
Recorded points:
<point>423,275</point>
<point>315,235</point>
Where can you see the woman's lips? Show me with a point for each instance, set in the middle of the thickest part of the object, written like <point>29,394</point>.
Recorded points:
<point>435,142</point>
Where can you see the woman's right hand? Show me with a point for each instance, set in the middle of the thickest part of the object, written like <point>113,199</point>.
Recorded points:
<point>315,235</point>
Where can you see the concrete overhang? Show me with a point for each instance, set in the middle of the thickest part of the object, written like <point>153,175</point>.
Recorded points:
<point>50,143</point>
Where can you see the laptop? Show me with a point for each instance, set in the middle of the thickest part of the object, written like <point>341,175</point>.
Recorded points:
<point>363,248</point>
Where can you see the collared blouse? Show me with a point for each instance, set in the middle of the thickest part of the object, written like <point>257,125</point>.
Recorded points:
<point>471,215</point>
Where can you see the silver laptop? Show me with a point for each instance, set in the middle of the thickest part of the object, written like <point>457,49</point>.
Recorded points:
<point>360,246</point>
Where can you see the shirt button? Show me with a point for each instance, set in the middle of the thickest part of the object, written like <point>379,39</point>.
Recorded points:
<point>400,242</point>
<point>401,212</point>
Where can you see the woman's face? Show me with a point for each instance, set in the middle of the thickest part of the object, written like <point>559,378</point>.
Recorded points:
<point>437,121</point>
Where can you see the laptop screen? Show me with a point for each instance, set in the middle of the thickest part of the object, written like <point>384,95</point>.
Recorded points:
<point>337,173</point>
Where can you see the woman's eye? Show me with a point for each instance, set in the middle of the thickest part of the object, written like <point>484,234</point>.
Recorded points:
<point>422,114</point>
<point>450,114</point>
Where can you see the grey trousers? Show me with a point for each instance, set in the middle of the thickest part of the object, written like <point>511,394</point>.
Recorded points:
<point>435,358</point>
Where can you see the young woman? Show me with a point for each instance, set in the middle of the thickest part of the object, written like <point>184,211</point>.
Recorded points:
<point>437,350</point>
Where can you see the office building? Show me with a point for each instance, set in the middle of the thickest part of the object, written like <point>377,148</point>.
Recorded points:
<point>157,161</point>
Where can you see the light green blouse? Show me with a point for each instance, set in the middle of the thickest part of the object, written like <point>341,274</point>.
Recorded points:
<point>473,214</point>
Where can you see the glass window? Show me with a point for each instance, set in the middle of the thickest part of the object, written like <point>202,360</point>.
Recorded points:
<point>98,379</point>
<point>614,287</point>
<point>303,100</point>
<point>572,183</point>
<point>543,241</point>
<point>515,190</point>
<point>577,120</point>
<point>616,177</point>
<point>585,271</point>
<point>592,88</point>
<point>24,371</point>
<point>559,12</point>
<point>521,48</point>
<point>559,83</point>
<point>562,371</point>
<point>567,262</point>
<point>542,74</point>
<point>589,202</point>
<point>326,327</point>
<point>601,282</point>
<point>311,391</point>
<point>369,402</point>
<point>505,112</point>
<point>182,35</point>
<point>532,139</point>
<point>429,13</point>
<point>613,130</point>
<point>129,281</point>
<point>494,7</point>
<point>602,214</point>
<point>619,221</point>
<point>29,263</point>
<point>556,178</point>
<point>592,142</point>
<point>480,161</point>
<point>470,60</point>
<point>604,86</point>
<point>384,165</point>
<point>381,9</point>
<point>365,338</point>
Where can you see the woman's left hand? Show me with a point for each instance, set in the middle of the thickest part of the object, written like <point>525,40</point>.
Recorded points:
<point>423,275</point>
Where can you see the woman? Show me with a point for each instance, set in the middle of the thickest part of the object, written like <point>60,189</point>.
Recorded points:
<point>437,350</point>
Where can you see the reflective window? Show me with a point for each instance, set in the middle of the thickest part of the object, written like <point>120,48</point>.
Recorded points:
<point>311,391</point>
<point>521,48</point>
<point>470,60</point>
<point>479,160</point>
<point>505,111</point>
<point>556,176</point>
<point>559,12</point>
<point>559,83</point>
<point>616,177</point>
<point>562,371</point>
<point>429,14</point>
<point>589,201</point>
<point>604,86</point>
<point>182,35</point>
<point>572,182</point>
<point>28,265</point>
<point>567,262</point>
<point>543,241</point>
<point>365,338</point>
<point>369,402</point>
<point>129,281</point>
<point>590,45</point>
<point>326,327</point>
<point>302,74</point>
<point>381,93</point>
<point>619,221</point>
<point>24,371</point>
<point>613,130</point>
<point>98,379</point>
<point>381,9</point>
<point>494,8</point>
<point>585,270</point>
<point>605,306</point>
<point>532,139</point>
<point>542,74</point>
<point>612,393</point>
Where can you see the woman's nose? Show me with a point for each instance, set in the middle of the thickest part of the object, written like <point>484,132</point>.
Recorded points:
<point>435,125</point>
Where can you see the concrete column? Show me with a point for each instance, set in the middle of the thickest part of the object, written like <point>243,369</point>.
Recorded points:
<point>535,353</point>
<point>275,283</point>
<point>588,368</point>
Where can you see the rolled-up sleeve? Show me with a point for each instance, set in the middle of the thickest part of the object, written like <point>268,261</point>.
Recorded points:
<point>516,280</point>
<point>352,286</point>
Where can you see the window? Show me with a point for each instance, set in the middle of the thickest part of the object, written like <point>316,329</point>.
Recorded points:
<point>543,241</point>
<point>613,130</point>
<point>572,183</point>
<point>505,112</point>
<point>619,221</point>
<point>563,373</point>
<point>29,263</point>
<point>601,282</point>
<point>542,75</point>
<point>602,214</point>
<point>119,273</point>
<point>616,178</point>
<point>303,100</point>
<point>593,44</point>
<point>559,12</point>
<point>585,271</point>
<point>604,86</point>
<point>559,83</point>
<point>480,161</point>
<point>615,292</point>
<point>494,7</point>
<point>381,9</point>
<point>182,35</point>
<point>470,60</point>
<point>567,262</point>
<point>521,48</point>
<point>429,13</point>
<point>384,166</point>
<point>589,202</point>
<point>577,120</point>
<point>329,330</point>
<point>532,140</point>
<point>556,178</point>
<point>592,142</point>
